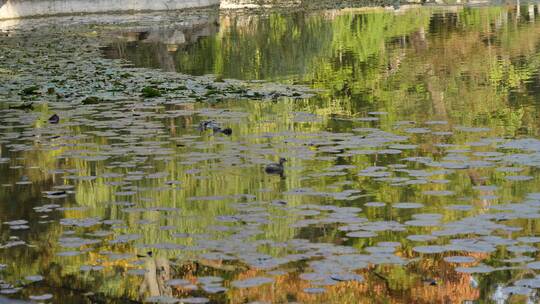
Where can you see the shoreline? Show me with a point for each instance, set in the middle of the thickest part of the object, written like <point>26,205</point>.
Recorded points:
<point>21,9</point>
<point>27,9</point>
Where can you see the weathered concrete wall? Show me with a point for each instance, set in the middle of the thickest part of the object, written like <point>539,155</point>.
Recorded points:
<point>234,4</point>
<point>27,8</point>
<point>315,4</point>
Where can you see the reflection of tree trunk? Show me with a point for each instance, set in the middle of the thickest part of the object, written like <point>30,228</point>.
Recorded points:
<point>158,272</point>
<point>165,59</point>
<point>477,180</point>
<point>437,94</point>
<point>518,10</point>
<point>418,40</point>
<point>395,62</point>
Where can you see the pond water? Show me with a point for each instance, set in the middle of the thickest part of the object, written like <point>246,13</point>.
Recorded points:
<point>412,176</point>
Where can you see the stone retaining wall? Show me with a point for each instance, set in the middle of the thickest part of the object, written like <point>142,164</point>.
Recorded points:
<point>234,4</point>
<point>10,9</point>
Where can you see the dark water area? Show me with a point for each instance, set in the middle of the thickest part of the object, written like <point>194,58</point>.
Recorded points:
<point>411,177</point>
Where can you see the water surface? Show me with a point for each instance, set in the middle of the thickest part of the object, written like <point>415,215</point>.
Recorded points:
<point>411,178</point>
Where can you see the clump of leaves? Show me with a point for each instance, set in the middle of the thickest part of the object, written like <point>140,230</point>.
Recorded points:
<point>33,90</point>
<point>235,90</point>
<point>254,94</point>
<point>150,92</point>
<point>179,88</point>
<point>23,106</point>
<point>211,92</point>
<point>91,100</point>
<point>219,78</point>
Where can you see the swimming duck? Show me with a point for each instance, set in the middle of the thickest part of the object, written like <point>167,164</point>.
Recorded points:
<point>276,168</point>
<point>148,254</point>
<point>54,119</point>
<point>208,124</point>
<point>227,131</point>
<point>214,126</point>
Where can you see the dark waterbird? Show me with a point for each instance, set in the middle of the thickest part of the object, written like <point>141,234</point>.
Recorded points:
<point>54,119</point>
<point>56,193</point>
<point>214,126</point>
<point>148,254</point>
<point>276,168</point>
<point>430,282</point>
<point>227,131</point>
<point>207,125</point>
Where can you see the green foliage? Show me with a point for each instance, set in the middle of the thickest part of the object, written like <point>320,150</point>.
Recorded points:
<point>32,90</point>
<point>91,100</point>
<point>151,92</point>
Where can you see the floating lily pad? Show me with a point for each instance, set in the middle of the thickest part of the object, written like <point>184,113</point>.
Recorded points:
<point>314,290</point>
<point>475,269</point>
<point>34,278</point>
<point>252,282</point>
<point>430,249</point>
<point>43,297</point>
<point>459,259</point>
<point>407,205</point>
